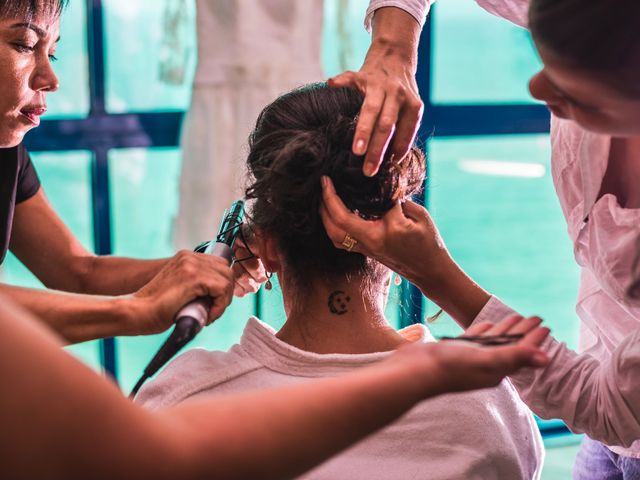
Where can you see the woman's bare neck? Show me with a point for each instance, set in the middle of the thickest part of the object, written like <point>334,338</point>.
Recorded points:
<point>339,319</point>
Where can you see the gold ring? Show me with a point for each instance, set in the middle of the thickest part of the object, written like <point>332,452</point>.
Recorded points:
<point>349,242</point>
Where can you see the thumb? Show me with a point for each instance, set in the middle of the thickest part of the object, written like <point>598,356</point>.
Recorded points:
<point>413,210</point>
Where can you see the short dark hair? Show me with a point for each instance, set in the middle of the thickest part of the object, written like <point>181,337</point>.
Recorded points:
<point>29,9</point>
<point>298,138</point>
<point>596,35</point>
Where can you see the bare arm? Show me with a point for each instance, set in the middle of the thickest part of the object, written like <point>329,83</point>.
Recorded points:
<point>110,296</point>
<point>77,425</point>
<point>42,241</point>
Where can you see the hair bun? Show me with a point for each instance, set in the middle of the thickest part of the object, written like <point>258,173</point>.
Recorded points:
<point>300,137</point>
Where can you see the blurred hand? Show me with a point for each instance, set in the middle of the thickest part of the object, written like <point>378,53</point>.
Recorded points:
<point>185,277</point>
<point>405,239</point>
<point>248,274</point>
<point>392,105</point>
<point>454,366</point>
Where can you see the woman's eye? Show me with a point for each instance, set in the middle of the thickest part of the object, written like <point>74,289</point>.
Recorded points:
<point>53,58</point>
<point>21,47</point>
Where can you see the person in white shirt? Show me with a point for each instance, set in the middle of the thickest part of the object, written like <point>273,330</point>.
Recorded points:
<point>591,56</point>
<point>334,302</point>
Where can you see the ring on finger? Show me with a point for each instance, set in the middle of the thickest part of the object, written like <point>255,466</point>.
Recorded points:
<point>349,242</point>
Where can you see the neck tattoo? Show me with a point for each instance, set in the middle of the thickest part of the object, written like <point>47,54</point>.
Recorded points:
<point>338,302</point>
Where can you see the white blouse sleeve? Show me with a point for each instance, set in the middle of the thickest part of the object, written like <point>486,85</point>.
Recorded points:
<point>601,399</point>
<point>418,9</point>
<point>515,11</point>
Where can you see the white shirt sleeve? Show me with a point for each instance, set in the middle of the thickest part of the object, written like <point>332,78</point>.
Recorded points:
<point>601,399</point>
<point>515,11</point>
<point>418,9</point>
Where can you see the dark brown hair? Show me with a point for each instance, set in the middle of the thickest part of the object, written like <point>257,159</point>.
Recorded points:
<point>298,138</point>
<point>30,9</point>
<point>602,36</point>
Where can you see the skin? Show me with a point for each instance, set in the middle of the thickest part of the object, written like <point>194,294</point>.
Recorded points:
<point>392,107</point>
<point>104,296</point>
<point>270,434</point>
<point>585,97</point>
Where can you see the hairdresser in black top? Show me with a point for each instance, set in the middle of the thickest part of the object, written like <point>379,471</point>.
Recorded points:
<point>89,296</point>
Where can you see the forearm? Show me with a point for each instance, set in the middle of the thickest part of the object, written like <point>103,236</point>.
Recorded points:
<point>452,290</point>
<point>396,34</point>
<point>75,317</point>
<point>118,275</point>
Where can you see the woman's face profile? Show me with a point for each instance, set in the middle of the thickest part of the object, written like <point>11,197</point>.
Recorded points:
<point>26,75</point>
<point>585,98</point>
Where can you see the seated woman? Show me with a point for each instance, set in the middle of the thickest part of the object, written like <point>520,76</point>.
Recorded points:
<point>334,302</point>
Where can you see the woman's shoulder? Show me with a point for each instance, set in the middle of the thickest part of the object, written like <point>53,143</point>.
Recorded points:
<point>194,371</point>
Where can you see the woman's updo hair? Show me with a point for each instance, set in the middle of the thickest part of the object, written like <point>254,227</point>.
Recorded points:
<point>596,35</point>
<point>298,138</point>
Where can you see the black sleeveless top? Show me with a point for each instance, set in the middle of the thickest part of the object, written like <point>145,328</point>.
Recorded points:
<point>18,182</point>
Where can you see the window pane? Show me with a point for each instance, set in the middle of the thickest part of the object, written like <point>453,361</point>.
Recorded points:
<point>344,40</point>
<point>479,58</point>
<point>144,198</point>
<point>137,47</point>
<point>494,203</point>
<point>72,99</point>
<point>66,180</point>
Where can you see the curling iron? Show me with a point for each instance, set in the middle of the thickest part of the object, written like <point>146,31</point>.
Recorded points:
<point>193,316</point>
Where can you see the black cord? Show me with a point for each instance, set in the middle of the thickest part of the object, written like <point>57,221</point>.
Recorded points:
<point>142,379</point>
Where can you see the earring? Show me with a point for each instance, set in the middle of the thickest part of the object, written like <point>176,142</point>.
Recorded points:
<point>397,280</point>
<point>268,285</point>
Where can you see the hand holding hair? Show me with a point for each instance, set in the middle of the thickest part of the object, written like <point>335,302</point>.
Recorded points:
<point>392,108</point>
<point>406,240</point>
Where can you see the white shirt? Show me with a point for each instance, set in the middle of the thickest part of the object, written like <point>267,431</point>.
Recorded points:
<point>486,434</point>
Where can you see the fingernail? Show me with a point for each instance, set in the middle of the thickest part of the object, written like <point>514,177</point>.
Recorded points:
<point>367,170</point>
<point>359,147</point>
<point>324,181</point>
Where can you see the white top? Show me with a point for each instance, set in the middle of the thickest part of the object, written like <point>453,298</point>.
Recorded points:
<point>605,238</point>
<point>487,434</point>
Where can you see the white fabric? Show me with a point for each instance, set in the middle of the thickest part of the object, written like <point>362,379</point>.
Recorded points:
<point>249,53</point>
<point>487,434</point>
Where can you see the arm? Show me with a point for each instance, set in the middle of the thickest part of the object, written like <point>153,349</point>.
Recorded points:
<point>48,248</point>
<point>600,399</point>
<point>592,397</point>
<point>62,412</point>
<point>392,106</point>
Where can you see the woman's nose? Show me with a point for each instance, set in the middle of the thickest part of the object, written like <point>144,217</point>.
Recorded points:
<point>44,78</point>
<point>542,89</point>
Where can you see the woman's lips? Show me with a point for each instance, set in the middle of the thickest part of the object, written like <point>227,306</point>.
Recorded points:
<point>33,114</point>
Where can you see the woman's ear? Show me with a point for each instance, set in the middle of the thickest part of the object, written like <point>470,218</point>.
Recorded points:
<point>267,250</point>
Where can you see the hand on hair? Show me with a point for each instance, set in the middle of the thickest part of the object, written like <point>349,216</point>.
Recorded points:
<point>392,105</point>
<point>405,239</point>
<point>461,365</point>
